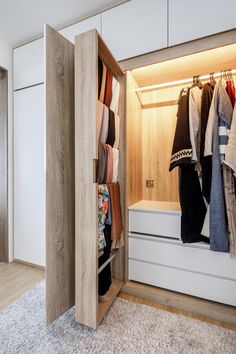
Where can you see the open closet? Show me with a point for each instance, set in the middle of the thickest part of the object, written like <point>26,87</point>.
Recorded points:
<point>153,252</point>
<point>3,167</point>
<point>157,255</point>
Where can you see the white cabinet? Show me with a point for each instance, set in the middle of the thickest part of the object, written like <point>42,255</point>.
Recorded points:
<point>28,64</point>
<point>166,262</point>
<point>190,19</point>
<point>135,28</point>
<point>90,23</point>
<point>155,218</point>
<point>29,175</point>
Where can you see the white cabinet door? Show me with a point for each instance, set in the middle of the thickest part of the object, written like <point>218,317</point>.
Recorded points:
<point>191,19</point>
<point>135,27</point>
<point>29,175</point>
<point>28,64</point>
<point>90,23</point>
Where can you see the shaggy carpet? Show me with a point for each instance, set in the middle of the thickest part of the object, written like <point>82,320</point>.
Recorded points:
<point>127,328</point>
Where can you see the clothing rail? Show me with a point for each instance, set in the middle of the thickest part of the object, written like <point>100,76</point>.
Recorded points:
<point>184,81</point>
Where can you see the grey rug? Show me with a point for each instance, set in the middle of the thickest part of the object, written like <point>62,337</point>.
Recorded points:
<point>127,328</point>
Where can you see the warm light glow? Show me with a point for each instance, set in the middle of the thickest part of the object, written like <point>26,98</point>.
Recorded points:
<point>179,82</point>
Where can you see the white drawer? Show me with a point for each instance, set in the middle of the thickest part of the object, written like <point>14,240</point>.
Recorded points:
<point>155,223</point>
<point>192,258</point>
<point>204,286</point>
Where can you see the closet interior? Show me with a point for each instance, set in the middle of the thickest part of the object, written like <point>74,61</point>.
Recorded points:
<point>3,167</point>
<point>157,255</point>
<point>153,252</point>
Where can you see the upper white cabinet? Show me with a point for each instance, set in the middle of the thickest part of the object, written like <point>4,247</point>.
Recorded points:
<point>92,22</point>
<point>28,64</point>
<point>190,19</point>
<point>135,28</point>
<point>29,58</point>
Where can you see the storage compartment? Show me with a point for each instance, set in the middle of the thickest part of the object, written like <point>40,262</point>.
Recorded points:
<point>156,253</point>
<point>201,285</point>
<point>196,258</point>
<point>155,218</point>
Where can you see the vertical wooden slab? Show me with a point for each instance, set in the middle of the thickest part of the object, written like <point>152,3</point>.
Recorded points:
<point>60,180</point>
<point>86,95</point>
<point>3,168</point>
<point>133,143</point>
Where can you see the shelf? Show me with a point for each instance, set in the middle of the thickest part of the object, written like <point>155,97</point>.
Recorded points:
<point>156,206</point>
<point>113,292</point>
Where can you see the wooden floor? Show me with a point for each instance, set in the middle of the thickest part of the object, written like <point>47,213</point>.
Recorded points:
<point>190,306</point>
<point>17,278</point>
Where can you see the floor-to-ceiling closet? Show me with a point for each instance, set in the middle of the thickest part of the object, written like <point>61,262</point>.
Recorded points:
<point>156,255</point>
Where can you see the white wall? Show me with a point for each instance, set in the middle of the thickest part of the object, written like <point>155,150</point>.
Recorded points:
<point>6,63</point>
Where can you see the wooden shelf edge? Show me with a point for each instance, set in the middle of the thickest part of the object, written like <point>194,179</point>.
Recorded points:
<point>104,307</point>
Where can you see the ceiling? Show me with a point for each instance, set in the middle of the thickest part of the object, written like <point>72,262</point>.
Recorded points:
<point>22,20</point>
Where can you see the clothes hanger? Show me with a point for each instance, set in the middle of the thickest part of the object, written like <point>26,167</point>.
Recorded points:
<point>212,79</point>
<point>197,82</point>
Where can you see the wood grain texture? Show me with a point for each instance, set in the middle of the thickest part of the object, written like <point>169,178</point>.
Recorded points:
<point>133,143</point>
<point>3,167</point>
<point>113,292</point>
<point>198,45</point>
<point>60,175</point>
<point>158,128</point>
<point>213,312</point>
<point>16,279</point>
<point>86,145</point>
<point>88,47</point>
<point>184,67</point>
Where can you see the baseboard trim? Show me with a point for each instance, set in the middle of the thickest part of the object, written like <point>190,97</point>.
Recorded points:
<point>29,264</point>
<point>185,304</point>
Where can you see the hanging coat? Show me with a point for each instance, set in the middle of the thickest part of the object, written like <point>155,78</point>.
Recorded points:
<point>221,114</point>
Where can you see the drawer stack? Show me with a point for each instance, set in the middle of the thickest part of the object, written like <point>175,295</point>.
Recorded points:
<point>158,257</point>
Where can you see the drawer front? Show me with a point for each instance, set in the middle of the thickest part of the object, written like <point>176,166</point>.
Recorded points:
<point>200,285</point>
<point>162,224</point>
<point>174,254</point>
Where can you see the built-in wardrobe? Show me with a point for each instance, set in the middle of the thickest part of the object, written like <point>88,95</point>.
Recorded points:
<point>156,254</point>
<point>3,165</point>
<point>153,252</point>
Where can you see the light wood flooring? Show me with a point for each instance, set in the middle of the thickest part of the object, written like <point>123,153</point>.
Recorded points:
<point>17,278</point>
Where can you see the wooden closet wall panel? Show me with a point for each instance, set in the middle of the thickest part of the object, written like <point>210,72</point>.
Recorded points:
<point>3,168</point>
<point>133,143</point>
<point>158,134</point>
<point>60,172</point>
<point>86,145</point>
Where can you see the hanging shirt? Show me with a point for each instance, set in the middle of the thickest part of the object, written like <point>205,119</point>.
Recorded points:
<point>103,203</point>
<point>229,179</point>
<point>105,124</point>
<point>182,149</point>
<point>115,165</point>
<point>195,96</point>
<point>231,91</point>
<point>103,83</point>
<point>115,95</point>
<point>206,161</point>
<point>117,132</point>
<point>221,115</point>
